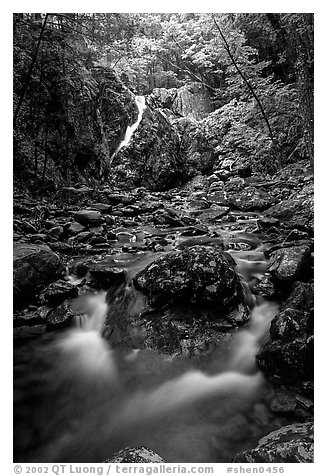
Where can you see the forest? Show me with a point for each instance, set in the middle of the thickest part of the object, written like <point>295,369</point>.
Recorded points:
<point>163,237</point>
<point>256,70</point>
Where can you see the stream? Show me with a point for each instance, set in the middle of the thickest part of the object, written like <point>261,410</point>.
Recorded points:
<point>77,399</point>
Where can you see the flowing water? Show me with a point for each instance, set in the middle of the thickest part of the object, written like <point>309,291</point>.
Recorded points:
<point>78,400</point>
<point>141,106</point>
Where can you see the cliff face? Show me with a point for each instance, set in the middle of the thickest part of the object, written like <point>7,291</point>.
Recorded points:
<point>192,100</point>
<point>83,130</point>
<point>170,145</point>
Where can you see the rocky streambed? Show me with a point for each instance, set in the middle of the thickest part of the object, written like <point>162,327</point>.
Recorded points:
<point>183,273</point>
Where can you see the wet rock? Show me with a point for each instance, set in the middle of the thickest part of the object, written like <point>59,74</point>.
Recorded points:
<point>289,351</point>
<point>27,227</point>
<point>60,317</point>
<point>266,286</point>
<point>35,266</point>
<point>289,444</point>
<point>283,403</point>
<point>89,217</point>
<point>297,235</point>
<point>234,184</point>
<point>103,275</point>
<point>219,197</point>
<point>140,454</point>
<point>56,232</point>
<point>199,182</point>
<point>170,217</point>
<point>215,212</point>
<point>301,297</point>
<point>73,195</point>
<point>267,222</point>
<point>287,264</point>
<point>58,292</point>
<point>102,207</point>
<point>28,318</point>
<point>28,332</point>
<point>199,204</point>
<point>125,237</point>
<point>297,210</point>
<point>251,198</point>
<point>198,274</point>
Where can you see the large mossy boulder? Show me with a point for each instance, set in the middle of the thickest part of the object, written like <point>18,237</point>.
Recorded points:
<point>35,266</point>
<point>199,275</point>
<point>289,444</point>
<point>288,353</point>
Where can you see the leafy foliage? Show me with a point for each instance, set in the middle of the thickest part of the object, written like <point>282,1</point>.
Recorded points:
<point>72,109</point>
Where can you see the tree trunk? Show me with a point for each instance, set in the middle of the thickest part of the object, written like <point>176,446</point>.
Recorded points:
<point>274,142</point>
<point>29,74</point>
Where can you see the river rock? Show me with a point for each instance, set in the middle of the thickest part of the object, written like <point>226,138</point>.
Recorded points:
<point>35,266</point>
<point>55,233</point>
<point>267,222</point>
<point>102,207</point>
<point>89,217</point>
<point>234,184</point>
<point>289,444</point>
<point>57,292</point>
<point>297,210</point>
<point>251,198</point>
<point>60,317</point>
<point>196,275</point>
<point>289,351</point>
<point>140,454</point>
<point>287,264</point>
<point>75,228</point>
<point>103,275</point>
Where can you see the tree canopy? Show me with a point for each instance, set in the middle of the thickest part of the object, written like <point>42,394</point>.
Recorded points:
<point>257,68</point>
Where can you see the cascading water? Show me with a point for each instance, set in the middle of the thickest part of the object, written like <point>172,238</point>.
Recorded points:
<point>140,102</point>
<point>92,400</point>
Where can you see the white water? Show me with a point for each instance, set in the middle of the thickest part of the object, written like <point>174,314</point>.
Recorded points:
<point>115,417</point>
<point>140,102</point>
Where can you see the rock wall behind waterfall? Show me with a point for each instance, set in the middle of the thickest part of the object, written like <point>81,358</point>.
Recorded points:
<point>85,126</point>
<point>171,144</point>
<point>191,100</point>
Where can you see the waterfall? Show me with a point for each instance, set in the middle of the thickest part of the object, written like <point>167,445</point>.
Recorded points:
<point>140,102</point>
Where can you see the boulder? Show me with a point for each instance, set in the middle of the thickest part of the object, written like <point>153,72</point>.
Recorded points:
<point>287,264</point>
<point>289,351</point>
<point>57,292</point>
<point>35,266</point>
<point>103,275</point>
<point>194,275</point>
<point>75,228</point>
<point>251,198</point>
<point>89,217</point>
<point>140,454</point>
<point>289,444</point>
<point>297,210</point>
<point>60,317</point>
